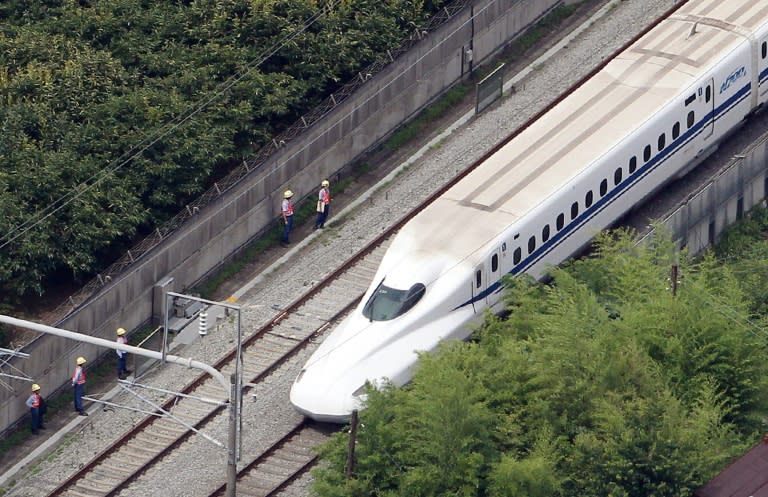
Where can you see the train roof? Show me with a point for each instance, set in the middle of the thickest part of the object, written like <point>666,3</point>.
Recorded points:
<point>652,73</point>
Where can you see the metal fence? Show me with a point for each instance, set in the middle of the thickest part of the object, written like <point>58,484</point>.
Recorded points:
<point>251,164</point>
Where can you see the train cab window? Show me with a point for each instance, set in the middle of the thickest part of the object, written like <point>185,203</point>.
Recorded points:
<point>388,303</point>
<point>517,255</point>
<point>764,49</point>
<point>494,263</point>
<point>617,174</point>
<point>708,94</point>
<point>647,153</point>
<point>662,141</point>
<point>632,165</point>
<point>531,244</point>
<point>691,119</point>
<point>545,233</point>
<point>560,221</point>
<point>574,210</point>
<point>588,199</point>
<point>603,187</point>
<point>690,100</point>
<point>675,131</point>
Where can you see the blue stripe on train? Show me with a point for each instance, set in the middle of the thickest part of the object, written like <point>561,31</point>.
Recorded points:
<point>619,190</point>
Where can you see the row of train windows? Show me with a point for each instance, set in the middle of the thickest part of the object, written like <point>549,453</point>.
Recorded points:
<point>589,198</point>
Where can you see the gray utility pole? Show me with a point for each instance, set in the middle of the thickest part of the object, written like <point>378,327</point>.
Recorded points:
<point>226,383</point>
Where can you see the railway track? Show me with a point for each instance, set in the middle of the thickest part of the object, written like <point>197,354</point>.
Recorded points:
<point>266,350</point>
<point>286,460</point>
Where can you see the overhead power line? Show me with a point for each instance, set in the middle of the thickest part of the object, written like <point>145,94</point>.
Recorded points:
<point>138,149</point>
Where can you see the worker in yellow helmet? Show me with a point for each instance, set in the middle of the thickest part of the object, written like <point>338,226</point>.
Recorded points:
<point>323,203</point>
<point>36,406</point>
<point>286,211</point>
<point>122,370</point>
<point>78,382</point>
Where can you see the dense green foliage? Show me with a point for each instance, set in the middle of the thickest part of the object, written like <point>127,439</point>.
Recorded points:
<point>602,383</point>
<point>87,84</point>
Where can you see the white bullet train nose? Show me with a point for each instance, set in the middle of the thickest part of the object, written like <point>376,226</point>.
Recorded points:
<point>332,383</point>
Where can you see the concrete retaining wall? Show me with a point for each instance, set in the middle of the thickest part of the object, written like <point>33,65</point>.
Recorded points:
<point>204,241</point>
<point>698,222</point>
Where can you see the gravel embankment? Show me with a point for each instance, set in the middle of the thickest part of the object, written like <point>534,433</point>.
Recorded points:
<point>199,466</point>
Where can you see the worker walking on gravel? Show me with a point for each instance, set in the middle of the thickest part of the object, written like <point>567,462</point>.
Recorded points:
<point>323,204</point>
<point>78,382</point>
<point>122,370</point>
<point>286,211</point>
<point>36,406</point>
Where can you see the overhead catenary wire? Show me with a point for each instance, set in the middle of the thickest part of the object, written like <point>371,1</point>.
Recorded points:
<point>166,129</point>
<point>316,15</point>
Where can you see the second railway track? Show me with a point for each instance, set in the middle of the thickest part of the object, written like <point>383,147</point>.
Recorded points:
<point>263,352</point>
<point>292,328</point>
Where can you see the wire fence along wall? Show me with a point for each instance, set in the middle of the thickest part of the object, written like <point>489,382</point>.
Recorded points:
<point>251,164</point>
<point>698,222</point>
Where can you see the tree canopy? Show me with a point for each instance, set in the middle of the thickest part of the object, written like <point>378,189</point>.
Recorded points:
<point>604,382</point>
<point>134,98</point>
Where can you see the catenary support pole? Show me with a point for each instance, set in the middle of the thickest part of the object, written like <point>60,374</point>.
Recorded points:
<point>232,445</point>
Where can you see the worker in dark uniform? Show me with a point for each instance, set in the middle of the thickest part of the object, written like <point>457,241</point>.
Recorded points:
<point>122,370</point>
<point>78,382</point>
<point>36,406</point>
<point>323,204</point>
<point>286,211</point>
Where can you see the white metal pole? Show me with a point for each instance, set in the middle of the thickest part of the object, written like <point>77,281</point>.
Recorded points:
<point>110,344</point>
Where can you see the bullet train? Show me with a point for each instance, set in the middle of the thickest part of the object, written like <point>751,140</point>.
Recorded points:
<point>649,115</point>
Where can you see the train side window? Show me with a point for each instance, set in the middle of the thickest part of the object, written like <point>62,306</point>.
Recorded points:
<point>531,244</point>
<point>690,99</point>
<point>675,131</point>
<point>478,278</point>
<point>517,256</point>
<point>545,233</point>
<point>603,187</point>
<point>647,153</point>
<point>494,263</point>
<point>662,141</point>
<point>764,49</point>
<point>632,164</point>
<point>574,210</point>
<point>588,199</point>
<point>708,94</point>
<point>560,221</point>
<point>691,119</point>
<point>617,174</point>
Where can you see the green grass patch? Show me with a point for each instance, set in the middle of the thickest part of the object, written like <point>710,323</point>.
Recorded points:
<point>305,210</point>
<point>426,117</point>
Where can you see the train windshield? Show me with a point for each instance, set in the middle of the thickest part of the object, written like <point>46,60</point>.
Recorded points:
<point>388,303</point>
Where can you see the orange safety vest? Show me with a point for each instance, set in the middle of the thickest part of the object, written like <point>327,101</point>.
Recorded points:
<point>79,378</point>
<point>326,196</point>
<point>35,400</point>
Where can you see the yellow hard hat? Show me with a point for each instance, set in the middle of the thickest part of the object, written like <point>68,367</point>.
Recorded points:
<point>35,387</point>
<point>325,182</point>
<point>120,332</point>
<point>80,361</point>
<point>288,194</point>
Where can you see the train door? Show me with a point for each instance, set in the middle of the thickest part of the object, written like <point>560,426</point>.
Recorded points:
<point>707,96</point>
<point>478,285</point>
<point>494,274</point>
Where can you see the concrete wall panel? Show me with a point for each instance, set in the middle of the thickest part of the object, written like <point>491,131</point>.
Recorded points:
<point>224,226</point>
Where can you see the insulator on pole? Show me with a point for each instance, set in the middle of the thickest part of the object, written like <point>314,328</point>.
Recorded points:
<point>203,321</point>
